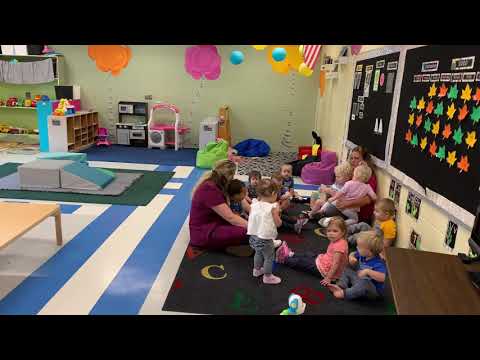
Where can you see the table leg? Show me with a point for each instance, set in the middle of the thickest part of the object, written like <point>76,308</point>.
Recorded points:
<point>58,227</point>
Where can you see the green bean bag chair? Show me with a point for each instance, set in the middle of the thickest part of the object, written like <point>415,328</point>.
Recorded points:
<point>211,153</point>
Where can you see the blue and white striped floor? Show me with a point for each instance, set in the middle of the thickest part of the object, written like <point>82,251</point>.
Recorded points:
<point>115,259</point>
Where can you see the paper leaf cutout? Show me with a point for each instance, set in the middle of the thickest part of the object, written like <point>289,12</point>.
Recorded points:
<point>419,120</point>
<point>442,91</point>
<point>429,107</point>
<point>436,128</point>
<point>458,136</point>
<point>413,103</point>
<point>433,149</point>
<point>476,97</point>
<point>466,93</point>
<point>411,119</point>
<point>414,141</point>
<point>471,139</point>
<point>451,110</point>
<point>423,143</point>
<point>439,109</point>
<point>453,93</point>
<point>441,153</point>
<point>463,113</point>
<point>447,131</point>
<point>463,164</point>
<point>475,115</point>
<point>421,104</point>
<point>433,91</point>
<point>408,136</point>
<point>452,157</point>
<point>428,125</point>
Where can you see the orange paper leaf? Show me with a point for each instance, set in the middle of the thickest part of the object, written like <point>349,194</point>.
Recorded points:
<point>476,97</point>
<point>447,131</point>
<point>463,164</point>
<point>442,91</point>
<point>419,120</point>
<point>463,112</point>
<point>433,149</point>
<point>429,107</point>
<point>408,136</point>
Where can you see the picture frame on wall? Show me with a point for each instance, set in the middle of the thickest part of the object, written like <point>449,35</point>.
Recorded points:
<point>412,207</point>
<point>415,240</point>
<point>451,235</point>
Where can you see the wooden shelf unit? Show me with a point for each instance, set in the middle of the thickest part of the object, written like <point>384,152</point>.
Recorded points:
<point>81,130</point>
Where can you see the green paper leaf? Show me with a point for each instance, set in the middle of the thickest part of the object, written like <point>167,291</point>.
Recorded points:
<point>441,153</point>
<point>414,141</point>
<point>453,93</point>
<point>475,115</point>
<point>427,125</point>
<point>439,109</point>
<point>458,136</point>
<point>413,103</point>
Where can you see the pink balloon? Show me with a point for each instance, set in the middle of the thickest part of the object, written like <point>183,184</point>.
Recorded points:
<point>356,49</point>
<point>203,60</point>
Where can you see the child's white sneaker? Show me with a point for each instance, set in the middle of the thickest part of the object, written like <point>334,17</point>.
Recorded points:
<point>271,279</point>
<point>258,272</point>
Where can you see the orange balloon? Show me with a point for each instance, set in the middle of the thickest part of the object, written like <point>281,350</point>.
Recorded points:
<point>294,58</point>
<point>111,58</point>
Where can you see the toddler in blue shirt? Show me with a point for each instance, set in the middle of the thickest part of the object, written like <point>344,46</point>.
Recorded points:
<point>365,277</point>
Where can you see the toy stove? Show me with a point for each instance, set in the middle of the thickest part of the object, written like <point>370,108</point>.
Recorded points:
<point>130,132</point>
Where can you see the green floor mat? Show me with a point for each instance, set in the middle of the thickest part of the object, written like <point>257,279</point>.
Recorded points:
<point>139,194</point>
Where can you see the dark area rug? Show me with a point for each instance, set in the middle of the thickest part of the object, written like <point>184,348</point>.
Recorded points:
<point>266,165</point>
<point>230,288</point>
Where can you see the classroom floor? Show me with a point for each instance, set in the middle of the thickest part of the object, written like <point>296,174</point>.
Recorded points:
<point>115,259</point>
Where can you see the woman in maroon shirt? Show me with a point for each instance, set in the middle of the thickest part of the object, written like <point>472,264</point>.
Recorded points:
<point>212,224</point>
<point>358,156</point>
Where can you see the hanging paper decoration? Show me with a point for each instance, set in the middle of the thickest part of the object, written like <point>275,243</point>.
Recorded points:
<point>356,49</point>
<point>322,82</point>
<point>310,55</point>
<point>259,47</point>
<point>203,60</point>
<point>110,58</point>
<point>236,57</point>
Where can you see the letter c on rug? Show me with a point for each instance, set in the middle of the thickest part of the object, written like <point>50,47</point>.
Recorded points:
<point>206,272</point>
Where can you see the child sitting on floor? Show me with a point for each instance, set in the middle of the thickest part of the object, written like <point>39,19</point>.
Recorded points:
<point>365,277</point>
<point>328,266</point>
<point>287,181</point>
<point>237,192</point>
<point>384,223</point>
<point>288,222</point>
<point>352,190</point>
<point>343,173</point>
<point>262,227</point>
<point>254,177</point>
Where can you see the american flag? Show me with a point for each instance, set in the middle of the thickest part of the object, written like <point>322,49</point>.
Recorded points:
<point>310,54</point>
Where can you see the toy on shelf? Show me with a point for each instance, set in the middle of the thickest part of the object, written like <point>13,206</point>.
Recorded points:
<point>160,134</point>
<point>64,108</point>
<point>12,101</point>
<point>4,129</point>
<point>296,306</point>
<point>102,137</point>
<point>35,100</point>
<point>2,102</point>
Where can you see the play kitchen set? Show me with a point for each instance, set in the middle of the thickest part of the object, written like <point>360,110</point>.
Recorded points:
<point>132,123</point>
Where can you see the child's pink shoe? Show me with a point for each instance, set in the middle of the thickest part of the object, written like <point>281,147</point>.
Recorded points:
<point>258,272</point>
<point>282,253</point>
<point>271,279</point>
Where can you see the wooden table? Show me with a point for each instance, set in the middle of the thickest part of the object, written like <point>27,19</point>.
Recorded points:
<point>426,283</point>
<point>18,218</point>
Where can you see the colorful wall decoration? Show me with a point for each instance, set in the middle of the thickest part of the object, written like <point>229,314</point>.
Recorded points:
<point>110,58</point>
<point>203,60</point>
<point>372,100</point>
<point>438,118</point>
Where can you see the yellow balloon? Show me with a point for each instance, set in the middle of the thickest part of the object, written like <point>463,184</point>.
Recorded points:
<point>300,49</point>
<point>259,47</point>
<point>305,70</point>
<point>294,58</point>
<point>206,274</point>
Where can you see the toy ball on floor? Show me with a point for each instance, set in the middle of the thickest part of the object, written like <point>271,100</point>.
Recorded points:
<point>279,54</point>
<point>296,306</point>
<point>236,57</point>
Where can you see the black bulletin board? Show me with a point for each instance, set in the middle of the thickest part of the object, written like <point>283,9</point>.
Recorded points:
<point>371,104</point>
<point>438,122</point>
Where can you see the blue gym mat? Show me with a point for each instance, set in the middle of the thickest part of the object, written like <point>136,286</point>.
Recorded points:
<point>130,154</point>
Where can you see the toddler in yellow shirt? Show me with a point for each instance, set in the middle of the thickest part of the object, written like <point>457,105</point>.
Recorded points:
<point>384,223</point>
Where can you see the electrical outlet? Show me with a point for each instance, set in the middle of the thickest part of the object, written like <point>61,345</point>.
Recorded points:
<point>148,97</point>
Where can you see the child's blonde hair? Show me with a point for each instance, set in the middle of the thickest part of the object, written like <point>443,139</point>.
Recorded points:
<point>362,173</point>
<point>338,222</point>
<point>344,170</point>
<point>277,177</point>
<point>372,240</point>
<point>266,188</point>
<point>387,206</point>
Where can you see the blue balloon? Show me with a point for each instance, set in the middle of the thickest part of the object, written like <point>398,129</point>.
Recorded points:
<point>279,54</point>
<point>236,57</point>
